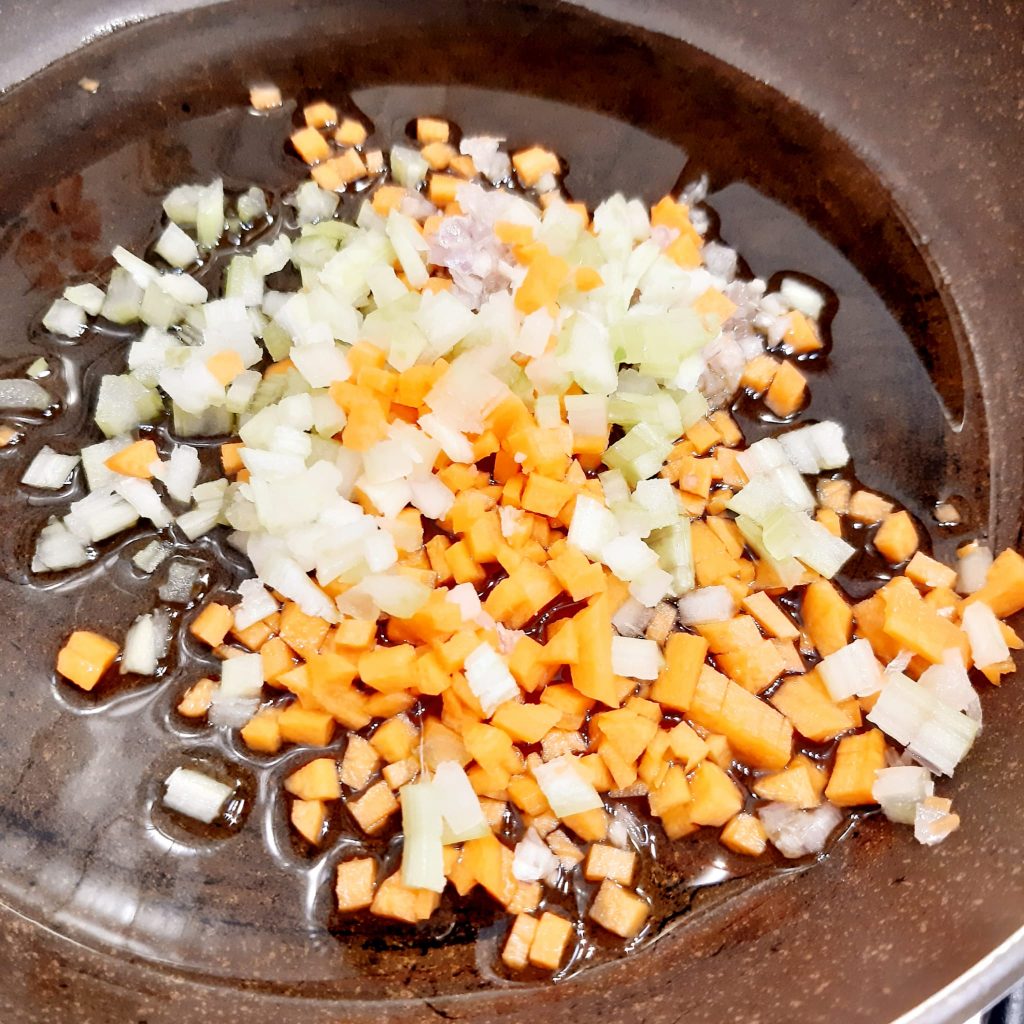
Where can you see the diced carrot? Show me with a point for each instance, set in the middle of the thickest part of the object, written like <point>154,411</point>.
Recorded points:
<point>684,251</point>
<point>373,808</point>
<point>801,336</point>
<point>759,373</point>
<point>388,668</point>
<point>264,97</point>
<point>703,436</point>
<point>759,733</point>
<point>532,164</point>
<point>794,785</point>
<point>320,114</point>
<point>592,675</point>
<point>196,700</point>
<point>540,287</point>
<point>677,823</point>
<point>755,668</point>
<point>918,628</point>
<point>86,657</point>
<point>605,861</point>
<point>827,618</point>
<point>896,539</point>
<point>303,633</point>
<point>312,728</point>
<point>526,723</point>
<point>225,366</point>
<point>745,834</point>
<point>580,577</point>
<point>317,780</point>
<point>441,188</point>
<point>355,883</point>
<point>927,572</point>
<point>544,495</point>
<point>715,797</point>
<point>359,763</point>
<point>516,951</point>
<point>396,739</point>
<point>308,817</point>
<point>629,732</point>
<point>772,619</point>
<point>716,305</point>
<point>812,713</point>
<point>212,624</point>
<point>868,508</point>
<point>397,901</point>
<point>787,391</point>
<point>549,941</point>
<point>829,518</point>
<point>1003,591</point>
<point>350,132</point>
<point>587,279</point>
<point>136,460</point>
<point>671,792</point>
<point>858,759</point>
<point>311,146</point>
<point>675,686</point>
<point>686,745</point>
<point>431,129</point>
<point>591,826</point>
<point>622,912</point>
<point>262,732</point>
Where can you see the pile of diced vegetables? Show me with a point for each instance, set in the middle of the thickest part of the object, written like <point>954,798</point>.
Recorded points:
<point>507,540</point>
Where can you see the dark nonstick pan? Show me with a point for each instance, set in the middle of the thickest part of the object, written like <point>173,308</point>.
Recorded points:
<point>873,146</point>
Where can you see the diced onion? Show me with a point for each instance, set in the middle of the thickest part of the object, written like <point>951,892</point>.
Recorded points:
<point>176,247</point>
<point>66,319</point>
<point>898,790</point>
<point>180,582</point>
<point>422,826</point>
<point>489,678</point>
<point>565,787</point>
<point>242,676</point>
<point>49,470</point>
<point>88,296</point>
<point>797,833</point>
<point>988,646</point>
<point>709,604</point>
<point>194,794</point>
<point>973,568</point>
<point>257,604</point>
<point>802,297</point>
<point>23,394</point>
<point>150,557</point>
<point>635,657</point>
<point>852,671</point>
<point>460,806</point>
<point>57,548</point>
<point>533,860</point>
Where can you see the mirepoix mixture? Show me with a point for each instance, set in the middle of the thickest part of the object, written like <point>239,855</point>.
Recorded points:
<point>518,584</point>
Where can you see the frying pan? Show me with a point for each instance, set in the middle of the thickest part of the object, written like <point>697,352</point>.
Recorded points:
<point>873,145</point>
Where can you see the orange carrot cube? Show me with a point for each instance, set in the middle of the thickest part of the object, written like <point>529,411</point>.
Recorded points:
<point>516,952</point>
<point>374,807</point>
<point>549,941</point>
<point>308,818</point>
<point>618,910</point>
<point>317,780</point>
<point>355,883</point>
<point>745,834</point>
<point>85,658</point>
<point>136,460</point>
<point>212,624</point>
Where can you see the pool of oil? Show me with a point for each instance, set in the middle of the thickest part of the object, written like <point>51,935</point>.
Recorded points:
<point>84,845</point>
